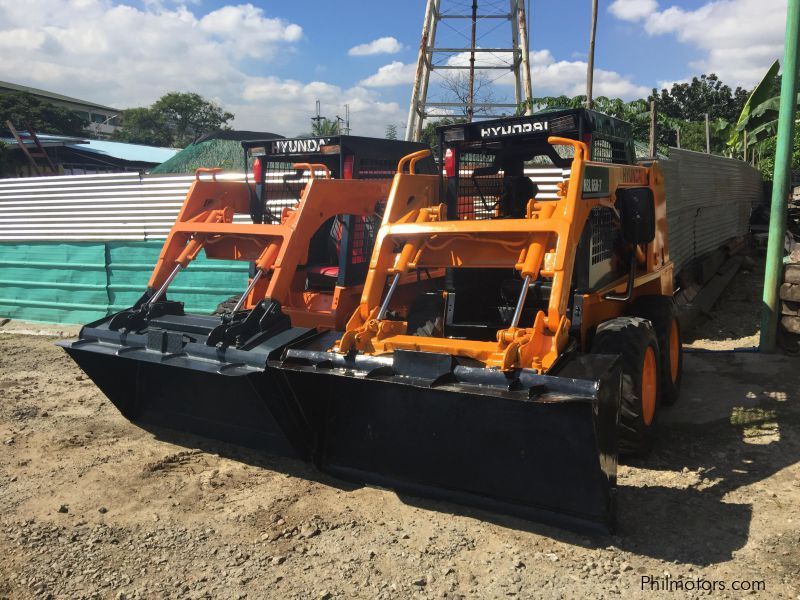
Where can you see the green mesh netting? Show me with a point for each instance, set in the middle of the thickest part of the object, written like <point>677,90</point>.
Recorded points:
<point>226,154</point>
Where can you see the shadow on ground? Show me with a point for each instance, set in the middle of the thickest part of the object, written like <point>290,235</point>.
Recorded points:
<point>738,423</point>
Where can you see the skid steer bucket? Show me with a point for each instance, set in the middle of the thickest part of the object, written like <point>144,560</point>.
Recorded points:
<point>167,376</point>
<point>541,447</point>
<point>313,212</point>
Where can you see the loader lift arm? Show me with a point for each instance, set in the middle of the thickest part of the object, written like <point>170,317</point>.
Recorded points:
<point>543,244</point>
<point>278,251</point>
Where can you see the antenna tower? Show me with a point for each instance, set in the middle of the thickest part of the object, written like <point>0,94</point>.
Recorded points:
<point>468,55</point>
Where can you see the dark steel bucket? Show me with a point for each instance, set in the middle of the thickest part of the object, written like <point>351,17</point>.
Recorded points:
<point>170,378</point>
<point>534,446</point>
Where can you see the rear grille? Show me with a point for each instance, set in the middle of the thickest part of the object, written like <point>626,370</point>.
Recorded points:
<point>602,224</point>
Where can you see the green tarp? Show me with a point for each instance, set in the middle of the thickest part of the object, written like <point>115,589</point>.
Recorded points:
<point>83,281</point>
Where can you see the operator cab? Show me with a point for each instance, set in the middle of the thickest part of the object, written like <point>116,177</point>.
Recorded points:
<point>339,251</point>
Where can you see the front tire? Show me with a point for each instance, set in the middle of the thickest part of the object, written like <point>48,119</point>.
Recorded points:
<point>634,339</point>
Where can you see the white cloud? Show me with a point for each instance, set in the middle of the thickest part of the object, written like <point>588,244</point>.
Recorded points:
<point>556,77</point>
<point>739,38</point>
<point>395,73</point>
<point>553,77</point>
<point>383,45</point>
<point>293,102</point>
<point>123,56</point>
<point>246,31</point>
<point>632,10</point>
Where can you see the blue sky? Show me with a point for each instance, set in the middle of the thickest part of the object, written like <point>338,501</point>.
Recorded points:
<point>269,61</point>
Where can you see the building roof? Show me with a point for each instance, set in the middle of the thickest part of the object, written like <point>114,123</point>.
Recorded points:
<point>38,92</point>
<point>129,152</point>
<point>110,152</point>
<point>48,140</point>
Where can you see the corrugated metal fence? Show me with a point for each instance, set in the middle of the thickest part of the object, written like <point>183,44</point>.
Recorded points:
<point>77,248</point>
<point>709,200</point>
<point>114,206</point>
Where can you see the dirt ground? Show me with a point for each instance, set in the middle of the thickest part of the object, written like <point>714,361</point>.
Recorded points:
<point>91,506</point>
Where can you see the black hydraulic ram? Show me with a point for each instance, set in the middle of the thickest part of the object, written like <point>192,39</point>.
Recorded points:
<point>542,447</point>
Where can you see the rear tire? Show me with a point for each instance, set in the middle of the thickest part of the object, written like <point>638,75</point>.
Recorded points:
<point>634,339</point>
<point>662,312</point>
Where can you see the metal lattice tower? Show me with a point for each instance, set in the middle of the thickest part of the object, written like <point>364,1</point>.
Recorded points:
<point>433,58</point>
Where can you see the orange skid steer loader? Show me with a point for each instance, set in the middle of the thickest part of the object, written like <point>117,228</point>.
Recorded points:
<point>546,352</point>
<point>309,225</point>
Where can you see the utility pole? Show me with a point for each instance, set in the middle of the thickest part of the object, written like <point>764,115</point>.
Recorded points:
<point>319,118</point>
<point>590,62</point>
<point>678,133</point>
<point>745,146</point>
<point>523,19</point>
<point>653,129</point>
<point>781,180</point>
<point>708,136</point>
<point>471,96</point>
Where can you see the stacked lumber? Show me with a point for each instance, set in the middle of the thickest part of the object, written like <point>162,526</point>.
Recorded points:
<point>790,295</point>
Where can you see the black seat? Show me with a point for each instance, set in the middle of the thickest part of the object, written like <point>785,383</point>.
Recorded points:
<point>517,191</point>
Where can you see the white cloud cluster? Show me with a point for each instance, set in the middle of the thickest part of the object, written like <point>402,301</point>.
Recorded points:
<point>551,77</point>
<point>122,55</point>
<point>632,10</point>
<point>395,73</point>
<point>290,101</point>
<point>383,45</point>
<point>555,77</point>
<point>246,32</point>
<point>739,38</point>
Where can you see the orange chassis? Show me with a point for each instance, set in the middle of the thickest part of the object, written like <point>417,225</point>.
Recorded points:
<point>542,244</point>
<point>206,222</point>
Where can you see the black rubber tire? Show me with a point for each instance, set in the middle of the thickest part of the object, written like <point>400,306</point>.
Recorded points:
<point>227,306</point>
<point>662,311</point>
<point>630,337</point>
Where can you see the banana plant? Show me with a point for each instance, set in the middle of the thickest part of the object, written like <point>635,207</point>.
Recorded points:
<point>759,116</point>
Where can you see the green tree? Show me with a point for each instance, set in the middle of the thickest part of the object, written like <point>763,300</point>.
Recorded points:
<point>22,108</point>
<point>429,135</point>
<point>636,112</point>
<point>189,115</point>
<point>176,119</point>
<point>323,127</point>
<point>765,153</point>
<point>6,160</point>
<point>702,95</point>
<point>144,126</point>
<point>391,132</point>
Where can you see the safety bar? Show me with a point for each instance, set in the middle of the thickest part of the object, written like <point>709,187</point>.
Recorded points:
<point>412,160</point>
<point>311,168</point>
<point>212,170</point>
<point>554,140</point>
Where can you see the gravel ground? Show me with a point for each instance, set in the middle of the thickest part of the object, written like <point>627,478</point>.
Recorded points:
<point>94,507</point>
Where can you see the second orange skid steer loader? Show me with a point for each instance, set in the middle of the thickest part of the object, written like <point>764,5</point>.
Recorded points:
<point>307,226</point>
<point>549,348</point>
